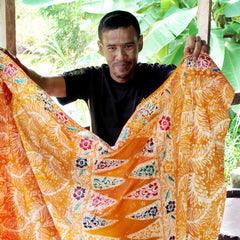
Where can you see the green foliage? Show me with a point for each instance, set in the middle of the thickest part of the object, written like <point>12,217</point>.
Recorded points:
<point>232,150</point>
<point>104,6</point>
<point>165,25</point>
<point>64,35</point>
<point>27,34</point>
<point>176,49</point>
<point>232,10</point>
<point>166,30</point>
<point>42,3</point>
<point>231,64</point>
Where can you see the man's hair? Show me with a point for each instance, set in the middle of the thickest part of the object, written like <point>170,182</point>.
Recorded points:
<point>116,19</point>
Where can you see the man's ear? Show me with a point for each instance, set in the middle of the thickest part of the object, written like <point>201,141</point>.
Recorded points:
<point>100,47</point>
<point>140,43</point>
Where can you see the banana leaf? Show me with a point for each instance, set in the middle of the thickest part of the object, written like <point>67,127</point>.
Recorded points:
<point>233,10</point>
<point>42,3</point>
<point>166,30</point>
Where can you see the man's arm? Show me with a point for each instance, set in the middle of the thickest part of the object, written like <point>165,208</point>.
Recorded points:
<point>54,85</point>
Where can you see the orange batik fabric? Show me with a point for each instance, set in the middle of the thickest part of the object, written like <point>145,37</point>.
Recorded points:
<point>164,178</point>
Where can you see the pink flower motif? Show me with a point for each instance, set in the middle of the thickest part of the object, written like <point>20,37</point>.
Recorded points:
<point>98,201</point>
<point>62,117</point>
<point>165,123</point>
<point>147,192</point>
<point>86,144</point>
<point>204,62</point>
<point>162,93</point>
<point>10,70</point>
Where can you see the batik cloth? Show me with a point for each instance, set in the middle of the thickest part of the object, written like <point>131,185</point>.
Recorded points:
<point>164,178</point>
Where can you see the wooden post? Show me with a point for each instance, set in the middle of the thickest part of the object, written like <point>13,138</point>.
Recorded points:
<point>8,25</point>
<point>236,99</point>
<point>204,19</point>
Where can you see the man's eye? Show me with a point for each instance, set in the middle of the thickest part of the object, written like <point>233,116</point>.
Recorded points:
<point>129,46</point>
<point>111,48</point>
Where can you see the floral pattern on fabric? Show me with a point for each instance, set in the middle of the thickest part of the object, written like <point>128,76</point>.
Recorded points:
<point>81,162</point>
<point>188,61</point>
<point>149,147</point>
<point>40,95</point>
<point>106,182</point>
<point>103,150</point>
<point>137,123</point>
<point>61,116</point>
<point>79,193</point>
<point>152,183</point>
<point>149,191</point>
<point>168,166</point>
<point>145,170</point>
<point>86,144</point>
<point>204,62</point>
<point>149,212</point>
<point>170,207</point>
<point>95,222</point>
<point>43,95</point>
<point>148,110</point>
<point>99,201</point>
<point>108,164</point>
<point>165,123</point>
<point>20,80</point>
<point>10,70</point>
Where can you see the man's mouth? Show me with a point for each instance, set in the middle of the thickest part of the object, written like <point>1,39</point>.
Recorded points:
<point>121,65</point>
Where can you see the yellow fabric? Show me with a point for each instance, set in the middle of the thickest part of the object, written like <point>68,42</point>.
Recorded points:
<point>164,178</point>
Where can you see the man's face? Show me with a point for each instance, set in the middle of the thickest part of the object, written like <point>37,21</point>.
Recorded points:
<point>120,47</point>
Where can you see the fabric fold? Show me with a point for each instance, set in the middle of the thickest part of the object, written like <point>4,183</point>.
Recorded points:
<point>164,178</point>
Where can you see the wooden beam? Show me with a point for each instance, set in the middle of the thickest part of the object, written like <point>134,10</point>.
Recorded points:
<point>3,38</point>
<point>204,19</point>
<point>8,25</point>
<point>236,99</point>
<point>11,26</point>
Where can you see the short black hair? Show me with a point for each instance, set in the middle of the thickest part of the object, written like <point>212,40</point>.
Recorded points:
<point>116,19</point>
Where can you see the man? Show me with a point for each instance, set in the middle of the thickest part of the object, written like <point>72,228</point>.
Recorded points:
<point>113,90</point>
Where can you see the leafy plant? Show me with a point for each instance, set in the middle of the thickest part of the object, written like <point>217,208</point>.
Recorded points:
<point>232,149</point>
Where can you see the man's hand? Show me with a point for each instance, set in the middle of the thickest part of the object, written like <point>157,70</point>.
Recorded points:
<point>194,45</point>
<point>53,85</point>
<point>15,59</point>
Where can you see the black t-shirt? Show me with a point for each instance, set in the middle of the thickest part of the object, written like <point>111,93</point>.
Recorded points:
<point>112,103</point>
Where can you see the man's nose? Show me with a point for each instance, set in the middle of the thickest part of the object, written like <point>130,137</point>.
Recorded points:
<point>121,55</point>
